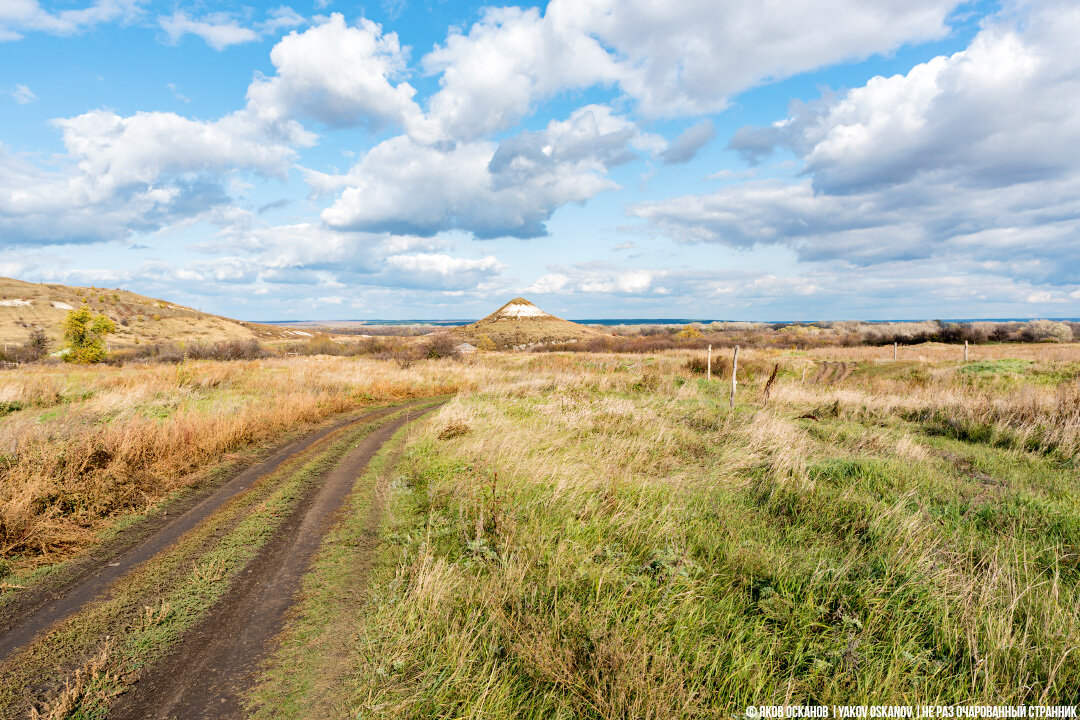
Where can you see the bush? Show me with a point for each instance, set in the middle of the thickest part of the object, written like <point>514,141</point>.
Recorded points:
<point>176,353</point>
<point>84,336</point>
<point>441,345</point>
<point>1047,331</point>
<point>697,365</point>
<point>228,350</point>
<point>35,347</point>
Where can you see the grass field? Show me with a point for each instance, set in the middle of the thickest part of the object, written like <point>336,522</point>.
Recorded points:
<point>606,538</point>
<point>602,536</point>
<point>81,448</point>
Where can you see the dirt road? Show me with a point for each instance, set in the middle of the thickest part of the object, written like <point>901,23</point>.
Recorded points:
<point>203,674</point>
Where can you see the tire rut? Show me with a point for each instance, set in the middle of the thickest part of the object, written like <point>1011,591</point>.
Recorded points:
<point>40,609</point>
<point>205,675</point>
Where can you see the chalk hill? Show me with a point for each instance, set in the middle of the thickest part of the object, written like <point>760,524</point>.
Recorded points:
<point>520,323</point>
<point>139,319</point>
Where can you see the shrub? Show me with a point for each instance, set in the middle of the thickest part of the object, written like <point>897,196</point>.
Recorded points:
<point>1047,331</point>
<point>441,345</point>
<point>35,347</point>
<point>697,365</point>
<point>84,336</point>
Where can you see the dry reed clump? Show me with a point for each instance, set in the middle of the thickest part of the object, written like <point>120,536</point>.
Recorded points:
<point>781,446</point>
<point>83,447</point>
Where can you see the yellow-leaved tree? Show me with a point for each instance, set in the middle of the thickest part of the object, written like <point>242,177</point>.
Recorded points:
<point>84,336</point>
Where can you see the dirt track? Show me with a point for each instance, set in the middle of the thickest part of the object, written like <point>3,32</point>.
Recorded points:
<point>205,674</point>
<point>39,609</point>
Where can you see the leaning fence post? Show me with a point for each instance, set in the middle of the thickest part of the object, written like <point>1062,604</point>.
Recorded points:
<point>734,372</point>
<point>708,372</point>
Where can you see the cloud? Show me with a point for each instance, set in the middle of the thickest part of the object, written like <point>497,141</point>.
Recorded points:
<point>280,18</point>
<point>176,93</point>
<point>18,17</point>
<point>683,148</point>
<point>509,60</point>
<point>23,95</point>
<point>136,173</point>
<point>549,284</point>
<point>112,150</point>
<point>510,189</point>
<point>435,270</point>
<point>599,280</point>
<point>672,59</point>
<point>1003,111</point>
<point>219,30</point>
<point>970,158</point>
<point>338,74</point>
<point>307,253</point>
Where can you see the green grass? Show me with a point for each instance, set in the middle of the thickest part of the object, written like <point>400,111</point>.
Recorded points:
<point>996,367</point>
<point>854,560</point>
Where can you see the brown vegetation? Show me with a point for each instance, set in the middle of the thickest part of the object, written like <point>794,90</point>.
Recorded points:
<point>80,448</point>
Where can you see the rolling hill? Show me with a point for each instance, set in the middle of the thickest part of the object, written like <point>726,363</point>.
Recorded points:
<point>139,319</point>
<point>520,323</point>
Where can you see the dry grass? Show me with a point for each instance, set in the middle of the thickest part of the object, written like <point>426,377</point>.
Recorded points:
<point>941,352</point>
<point>82,447</point>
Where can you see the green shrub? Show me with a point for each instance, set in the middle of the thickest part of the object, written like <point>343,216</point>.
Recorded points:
<point>84,336</point>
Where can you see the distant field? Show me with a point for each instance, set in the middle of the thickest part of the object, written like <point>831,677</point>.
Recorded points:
<point>600,535</point>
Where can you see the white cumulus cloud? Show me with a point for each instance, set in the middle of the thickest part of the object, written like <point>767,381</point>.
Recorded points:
<point>972,158</point>
<point>338,74</point>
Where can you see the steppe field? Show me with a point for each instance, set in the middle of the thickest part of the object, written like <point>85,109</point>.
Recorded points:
<point>541,535</point>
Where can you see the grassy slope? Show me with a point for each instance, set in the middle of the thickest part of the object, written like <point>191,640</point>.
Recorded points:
<point>608,540</point>
<point>149,320</point>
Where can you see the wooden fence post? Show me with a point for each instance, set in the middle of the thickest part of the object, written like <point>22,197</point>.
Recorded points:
<point>708,375</point>
<point>734,372</point>
<point>894,350</point>
<point>965,351</point>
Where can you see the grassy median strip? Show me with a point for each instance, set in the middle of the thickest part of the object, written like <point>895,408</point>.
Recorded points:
<point>308,673</point>
<point>148,610</point>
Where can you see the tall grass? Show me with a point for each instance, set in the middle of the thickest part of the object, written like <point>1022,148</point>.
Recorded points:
<point>602,538</point>
<point>80,448</point>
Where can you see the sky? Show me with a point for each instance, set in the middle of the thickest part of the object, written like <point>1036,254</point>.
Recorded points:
<point>745,159</point>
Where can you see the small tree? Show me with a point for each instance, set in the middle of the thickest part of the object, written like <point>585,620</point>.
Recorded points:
<point>84,336</point>
<point>485,343</point>
<point>1047,331</point>
<point>36,345</point>
<point>441,345</point>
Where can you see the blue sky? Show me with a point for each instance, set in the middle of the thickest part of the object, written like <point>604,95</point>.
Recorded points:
<point>606,158</point>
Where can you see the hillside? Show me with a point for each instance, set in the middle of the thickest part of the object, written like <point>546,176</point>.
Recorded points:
<point>519,323</point>
<point>139,319</point>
